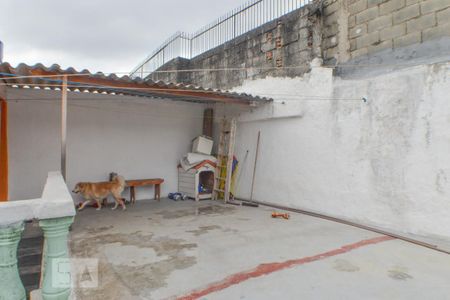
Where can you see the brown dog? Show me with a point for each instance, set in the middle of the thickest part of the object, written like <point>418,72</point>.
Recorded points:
<point>100,190</point>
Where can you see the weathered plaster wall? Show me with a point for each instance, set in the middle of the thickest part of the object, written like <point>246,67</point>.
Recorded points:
<point>384,162</point>
<point>133,137</point>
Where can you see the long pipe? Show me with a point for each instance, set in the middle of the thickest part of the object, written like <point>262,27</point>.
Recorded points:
<point>63,126</point>
<point>254,166</point>
<point>350,223</point>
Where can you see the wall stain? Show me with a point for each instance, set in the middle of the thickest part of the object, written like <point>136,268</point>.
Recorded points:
<point>393,125</point>
<point>441,181</point>
<point>427,129</point>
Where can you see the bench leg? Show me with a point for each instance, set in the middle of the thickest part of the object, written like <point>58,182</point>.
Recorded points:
<point>132,195</point>
<point>158,192</point>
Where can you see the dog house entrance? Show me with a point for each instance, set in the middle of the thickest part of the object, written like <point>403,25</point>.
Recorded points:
<point>206,182</point>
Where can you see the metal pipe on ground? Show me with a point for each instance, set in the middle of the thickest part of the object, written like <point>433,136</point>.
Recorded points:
<point>350,223</point>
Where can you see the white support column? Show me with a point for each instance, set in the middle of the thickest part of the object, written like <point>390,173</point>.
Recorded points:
<point>63,126</point>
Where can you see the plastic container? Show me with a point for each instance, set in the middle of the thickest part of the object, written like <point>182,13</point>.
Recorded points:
<point>202,144</point>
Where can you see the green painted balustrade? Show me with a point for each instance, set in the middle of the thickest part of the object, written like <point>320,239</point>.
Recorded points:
<point>55,212</point>
<point>55,234</point>
<point>11,287</point>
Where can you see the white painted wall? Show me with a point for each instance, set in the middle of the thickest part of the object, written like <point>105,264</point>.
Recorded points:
<point>384,163</point>
<point>137,138</point>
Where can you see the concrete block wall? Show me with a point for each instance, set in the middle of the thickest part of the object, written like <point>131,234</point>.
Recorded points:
<point>173,71</point>
<point>290,41</point>
<point>336,30</point>
<point>375,25</point>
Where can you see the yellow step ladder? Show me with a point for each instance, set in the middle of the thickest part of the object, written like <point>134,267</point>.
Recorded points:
<point>225,155</point>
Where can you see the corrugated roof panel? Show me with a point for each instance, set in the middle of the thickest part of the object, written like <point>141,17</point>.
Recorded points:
<point>39,76</point>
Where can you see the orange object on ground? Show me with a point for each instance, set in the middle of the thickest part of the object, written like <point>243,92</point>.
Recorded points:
<point>280,215</point>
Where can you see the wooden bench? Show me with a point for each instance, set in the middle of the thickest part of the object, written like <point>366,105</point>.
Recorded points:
<point>144,182</point>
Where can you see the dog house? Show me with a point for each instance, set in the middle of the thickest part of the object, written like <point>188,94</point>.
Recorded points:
<point>198,182</point>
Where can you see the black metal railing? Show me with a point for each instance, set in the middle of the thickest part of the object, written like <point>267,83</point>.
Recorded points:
<point>231,25</point>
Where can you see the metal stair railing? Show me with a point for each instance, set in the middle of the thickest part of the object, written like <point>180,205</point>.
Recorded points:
<point>229,26</point>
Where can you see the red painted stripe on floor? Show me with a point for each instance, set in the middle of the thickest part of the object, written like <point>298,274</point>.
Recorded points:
<point>264,269</point>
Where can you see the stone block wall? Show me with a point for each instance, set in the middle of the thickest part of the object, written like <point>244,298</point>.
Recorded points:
<point>336,30</point>
<point>174,71</point>
<point>353,28</point>
<point>283,47</point>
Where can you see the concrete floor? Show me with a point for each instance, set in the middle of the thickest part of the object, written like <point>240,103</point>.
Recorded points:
<point>188,250</point>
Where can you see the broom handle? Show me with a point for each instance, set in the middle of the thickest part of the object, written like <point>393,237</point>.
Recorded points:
<point>254,166</point>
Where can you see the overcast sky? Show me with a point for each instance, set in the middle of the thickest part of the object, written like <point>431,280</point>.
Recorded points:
<point>98,35</point>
